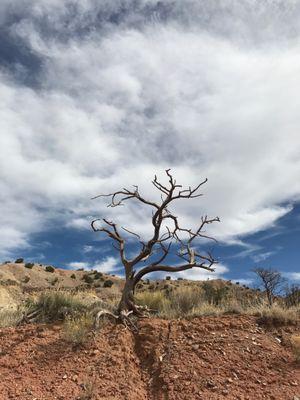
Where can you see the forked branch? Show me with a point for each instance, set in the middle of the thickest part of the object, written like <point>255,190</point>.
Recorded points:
<point>167,233</point>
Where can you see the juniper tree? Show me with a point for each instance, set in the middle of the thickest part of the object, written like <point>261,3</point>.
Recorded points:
<point>167,237</point>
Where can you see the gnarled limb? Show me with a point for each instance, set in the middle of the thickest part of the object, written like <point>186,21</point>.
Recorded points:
<point>163,238</point>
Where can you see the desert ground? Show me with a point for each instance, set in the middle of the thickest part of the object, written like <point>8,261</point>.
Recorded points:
<point>200,355</point>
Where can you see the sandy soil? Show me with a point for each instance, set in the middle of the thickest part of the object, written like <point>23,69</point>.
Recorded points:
<point>207,358</point>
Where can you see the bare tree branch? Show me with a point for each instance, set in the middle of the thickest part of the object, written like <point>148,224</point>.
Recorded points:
<point>163,235</point>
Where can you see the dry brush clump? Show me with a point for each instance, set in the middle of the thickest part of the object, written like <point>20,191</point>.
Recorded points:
<point>295,342</point>
<point>10,317</point>
<point>76,330</point>
<point>276,315</point>
<point>53,305</point>
<point>210,299</point>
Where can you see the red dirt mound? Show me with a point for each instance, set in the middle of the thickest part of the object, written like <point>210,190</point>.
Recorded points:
<point>207,358</point>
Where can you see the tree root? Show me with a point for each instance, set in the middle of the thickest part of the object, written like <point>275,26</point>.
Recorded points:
<point>30,318</point>
<point>123,318</point>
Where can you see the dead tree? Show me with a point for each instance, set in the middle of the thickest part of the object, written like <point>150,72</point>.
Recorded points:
<point>167,235</point>
<point>271,281</point>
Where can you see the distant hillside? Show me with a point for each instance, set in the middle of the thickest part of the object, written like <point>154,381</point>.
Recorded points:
<point>20,279</point>
<point>39,276</point>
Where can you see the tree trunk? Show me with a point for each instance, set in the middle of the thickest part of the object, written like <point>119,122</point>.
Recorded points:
<point>270,298</point>
<point>127,300</point>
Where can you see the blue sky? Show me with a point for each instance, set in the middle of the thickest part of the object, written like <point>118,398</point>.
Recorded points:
<point>97,95</point>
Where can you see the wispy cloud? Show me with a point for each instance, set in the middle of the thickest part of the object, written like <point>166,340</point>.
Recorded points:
<point>169,85</point>
<point>257,258</point>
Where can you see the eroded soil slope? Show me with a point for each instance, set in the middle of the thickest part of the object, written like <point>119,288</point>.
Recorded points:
<point>227,357</point>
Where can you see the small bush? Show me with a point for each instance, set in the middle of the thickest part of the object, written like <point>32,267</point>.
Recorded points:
<point>168,278</point>
<point>292,298</point>
<point>26,279</point>
<point>49,268</point>
<point>76,330</point>
<point>295,342</point>
<point>88,279</point>
<point>54,281</point>
<point>180,279</point>
<point>98,275</point>
<point>7,262</point>
<point>156,301</point>
<point>184,299</point>
<point>29,265</point>
<point>73,276</point>
<point>19,260</point>
<point>108,283</point>
<point>215,295</point>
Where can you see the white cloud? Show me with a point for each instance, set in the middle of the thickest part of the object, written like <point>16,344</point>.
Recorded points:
<point>107,265</point>
<point>78,265</point>
<point>293,276</point>
<point>88,248</point>
<point>196,274</point>
<point>119,103</point>
<point>262,256</point>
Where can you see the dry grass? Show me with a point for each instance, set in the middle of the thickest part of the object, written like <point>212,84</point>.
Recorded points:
<point>10,317</point>
<point>76,330</point>
<point>276,316</point>
<point>182,302</point>
<point>295,342</point>
<point>156,301</point>
<point>57,305</point>
<point>185,299</point>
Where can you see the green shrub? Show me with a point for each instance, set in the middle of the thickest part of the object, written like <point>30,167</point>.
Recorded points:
<point>73,276</point>
<point>88,278</point>
<point>168,278</point>
<point>19,260</point>
<point>108,283</point>
<point>29,265</point>
<point>98,275</point>
<point>49,268</point>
